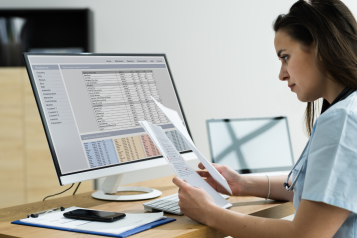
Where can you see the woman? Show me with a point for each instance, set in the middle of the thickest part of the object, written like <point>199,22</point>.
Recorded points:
<point>317,45</point>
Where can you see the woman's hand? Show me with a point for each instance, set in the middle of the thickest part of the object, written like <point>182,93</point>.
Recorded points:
<point>194,202</point>
<point>235,181</point>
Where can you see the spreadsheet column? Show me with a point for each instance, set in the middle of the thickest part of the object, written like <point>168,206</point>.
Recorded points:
<point>108,100</point>
<point>139,86</point>
<point>154,92</point>
<point>151,115</point>
<point>129,81</point>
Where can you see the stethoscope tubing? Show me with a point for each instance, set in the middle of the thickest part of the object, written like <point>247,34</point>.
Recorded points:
<point>286,184</point>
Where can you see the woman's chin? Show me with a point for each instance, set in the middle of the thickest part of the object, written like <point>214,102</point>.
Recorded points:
<point>301,98</point>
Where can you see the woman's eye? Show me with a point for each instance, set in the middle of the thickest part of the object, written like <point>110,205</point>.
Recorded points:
<point>284,58</point>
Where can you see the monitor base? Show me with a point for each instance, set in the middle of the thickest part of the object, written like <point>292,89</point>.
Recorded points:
<point>110,186</point>
<point>149,194</point>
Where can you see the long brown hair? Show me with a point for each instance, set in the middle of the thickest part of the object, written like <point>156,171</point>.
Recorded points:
<point>333,28</point>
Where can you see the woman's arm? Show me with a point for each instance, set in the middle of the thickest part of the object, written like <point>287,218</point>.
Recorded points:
<point>313,219</point>
<point>258,186</point>
<point>242,185</point>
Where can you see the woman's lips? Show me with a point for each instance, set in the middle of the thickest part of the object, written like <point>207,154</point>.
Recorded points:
<point>291,86</point>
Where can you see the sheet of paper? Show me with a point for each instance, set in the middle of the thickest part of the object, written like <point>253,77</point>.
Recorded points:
<point>177,122</point>
<point>179,164</point>
<point>131,221</point>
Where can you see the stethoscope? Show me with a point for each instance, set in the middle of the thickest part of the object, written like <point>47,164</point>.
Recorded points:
<point>286,184</point>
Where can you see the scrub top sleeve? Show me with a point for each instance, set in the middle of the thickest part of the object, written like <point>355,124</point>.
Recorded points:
<point>331,173</point>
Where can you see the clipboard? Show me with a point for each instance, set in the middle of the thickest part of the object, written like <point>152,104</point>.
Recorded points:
<point>121,235</point>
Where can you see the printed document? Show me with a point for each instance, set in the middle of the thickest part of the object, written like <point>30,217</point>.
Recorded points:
<point>177,122</point>
<point>179,164</point>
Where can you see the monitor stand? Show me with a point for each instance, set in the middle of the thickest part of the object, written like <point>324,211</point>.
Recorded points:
<point>110,187</point>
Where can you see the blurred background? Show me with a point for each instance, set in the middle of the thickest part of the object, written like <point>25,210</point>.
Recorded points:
<point>221,55</point>
<point>42,30</point>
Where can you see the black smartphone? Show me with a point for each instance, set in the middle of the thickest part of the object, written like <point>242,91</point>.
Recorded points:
<point>94,215</point>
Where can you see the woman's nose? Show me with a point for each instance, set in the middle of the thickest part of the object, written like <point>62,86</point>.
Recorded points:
<point>283,75</point>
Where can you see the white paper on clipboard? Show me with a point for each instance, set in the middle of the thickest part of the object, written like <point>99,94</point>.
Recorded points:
<point>175,119</point>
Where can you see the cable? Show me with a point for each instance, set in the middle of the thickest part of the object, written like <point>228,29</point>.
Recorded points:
<point>77,188</point>
<point>58,193</point>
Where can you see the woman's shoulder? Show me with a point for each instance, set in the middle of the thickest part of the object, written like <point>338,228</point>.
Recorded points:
<point>332,126</point>
<point>344,108</point>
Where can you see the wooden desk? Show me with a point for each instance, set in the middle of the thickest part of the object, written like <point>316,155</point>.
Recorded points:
<point>182,228</point>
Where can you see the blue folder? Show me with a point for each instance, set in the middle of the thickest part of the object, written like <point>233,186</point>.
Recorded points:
<point>122,235</point>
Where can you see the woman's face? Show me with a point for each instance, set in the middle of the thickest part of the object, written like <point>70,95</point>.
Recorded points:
<point>298,68</point>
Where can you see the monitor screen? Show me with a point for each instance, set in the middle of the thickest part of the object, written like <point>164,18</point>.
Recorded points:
<point>90,105</point>
<point>251,145</point>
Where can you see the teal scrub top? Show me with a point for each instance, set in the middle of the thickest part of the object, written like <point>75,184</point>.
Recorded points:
<point>329,163</point>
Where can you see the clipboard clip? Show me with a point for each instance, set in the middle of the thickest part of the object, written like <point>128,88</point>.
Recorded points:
<point>35,215</point>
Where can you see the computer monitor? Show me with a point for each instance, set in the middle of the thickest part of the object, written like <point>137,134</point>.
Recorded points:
<point>251,145</point>
<point>90,105</point>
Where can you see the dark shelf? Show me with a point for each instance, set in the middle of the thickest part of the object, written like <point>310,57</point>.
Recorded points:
<point>45,29</point>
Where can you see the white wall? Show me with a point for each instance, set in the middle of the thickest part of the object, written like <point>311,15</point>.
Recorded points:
<point>221,54</point>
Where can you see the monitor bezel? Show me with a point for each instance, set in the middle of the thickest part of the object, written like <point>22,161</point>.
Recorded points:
<point>61,176</point>
<point>255,170</point>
